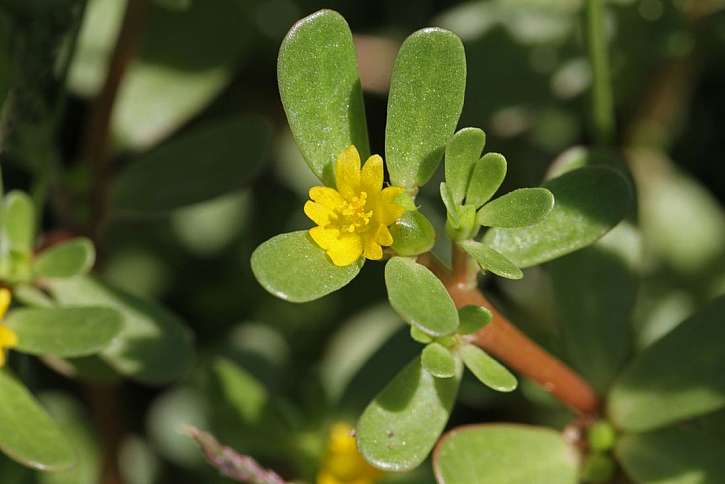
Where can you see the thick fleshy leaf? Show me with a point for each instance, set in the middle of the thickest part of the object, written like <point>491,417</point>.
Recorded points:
<point>66,259</point>
<point>491,260</point>
<point>462,152</point>
<point>425,102</point>
<point>64,331</point>
<point>292,267</point>
<point>519,208</point>
<point>678,377</point>
<point>673,455</point>
<point>438,361</point>
<point>153,347</point>
<point>209,161</point>
<point>419,297</point>
<point>595,290</point>
<point>19,221</point>
<point>487,176</point>
<point>589,202</point>
<point>413,234</point>
<point>473,318</point>
<point>400,427</point>
<point>451,206</point>
<point>321,93</point>
<point>489,371</point>
<point>27,433</point>
<point>504,454</point>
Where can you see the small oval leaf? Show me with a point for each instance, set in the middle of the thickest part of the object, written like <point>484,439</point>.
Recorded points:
<point>462,152</point>
<point>67,259</point>
<point>438,361</point>
<point>488,174</point>
<point>491,260</point>
<point>413,234</point>
<point>504,454</point>
<point>473,318</point>
<point>489,371</point>
<point>19,221</point>
<point>519,208</point>
<point>292,267</point>
<point>27,433</point>
<point>425,102</point>
<point>320,89</point>
<point>589,202</point>
<point>400,427</point>
<point>419,297</point>
<point>66,331</point>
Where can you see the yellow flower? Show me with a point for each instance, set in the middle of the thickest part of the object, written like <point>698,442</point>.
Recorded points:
<point>343,464</point>
<point>353,220</point>
<point>8,338</point>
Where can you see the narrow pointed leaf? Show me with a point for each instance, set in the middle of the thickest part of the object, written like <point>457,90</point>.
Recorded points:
<point>425,102</point>
<point>522,207</point>
<point>320,89</point>
<point>473,318</point>
<point>491,260</point>
<point>66,259</point>
<point>462,153</point>
<point>678,377</point>
<point>19,221</point>
<point>589,202</point>
<point>438,361</point>
<point>292,267</point>
<point>486,178</point>
<point>419,297</point>
<point>154,346</point>
<point>27,433</point>
<point>66,331</point>
<point>489,371</point>
<point>399,428</point>
<point>504,454</point>
<point>451,205</point>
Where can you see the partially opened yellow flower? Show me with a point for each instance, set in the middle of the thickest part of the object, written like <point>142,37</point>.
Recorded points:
<point>8,338</point>
<point>353,220</point>
<point>343,464</point>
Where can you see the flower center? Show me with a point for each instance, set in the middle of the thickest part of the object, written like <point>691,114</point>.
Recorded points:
<point>351,215</point>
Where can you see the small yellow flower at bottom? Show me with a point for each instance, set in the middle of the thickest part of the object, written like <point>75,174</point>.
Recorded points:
<point>343,463</point>
<point>353,220</point>
<point>8,338</point>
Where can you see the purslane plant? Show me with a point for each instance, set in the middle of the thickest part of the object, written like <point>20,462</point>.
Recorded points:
<point>356,219</point>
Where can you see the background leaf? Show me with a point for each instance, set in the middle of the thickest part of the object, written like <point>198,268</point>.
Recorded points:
<point>67,259</point>
<point>320,89</point>
<point>425,101</point>
<point>292,267</point>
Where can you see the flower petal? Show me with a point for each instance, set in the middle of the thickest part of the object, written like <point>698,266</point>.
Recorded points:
<point>329,197</point>
<point>8,338</point>
<point>373,251</point>
<point>372,175</point>
<point>389,210</point>
<point>318,213</point>
<point>345,250</point>
<point>347,172</point>
<point>323,237</point>
<point>383,236</point>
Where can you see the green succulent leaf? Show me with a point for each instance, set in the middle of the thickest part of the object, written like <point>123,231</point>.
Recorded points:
<point>589,202</point>
<point>487,176</point>
<point>419,297</point>
<point>462,152</point>
<point>438,361</point>
<point>519,208</point>
<point>209,161</point>
<point>420,336</point>
<point>413,234</point>
<point>504,454</point>
<point>451,206</point>
<point>473,318</point>
<point>673,455</point>
<point>154,346</point>
<point>397,431</point>
<point>321,93</point>
<point>292,267</point>
<point>680,376</point>
<point>27,433</point>
<point>67,259</point>
<point>489,371</point>
<point>66,331</point>
<point>19,222</point>
<point>491,260</point>
<point>425,102</point>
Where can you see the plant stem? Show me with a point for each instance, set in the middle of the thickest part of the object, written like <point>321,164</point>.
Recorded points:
<point>504,341</point>
<point>602,98</point>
